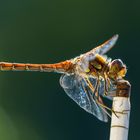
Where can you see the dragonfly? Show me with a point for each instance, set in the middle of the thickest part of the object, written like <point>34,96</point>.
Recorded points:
<point>87,78</point>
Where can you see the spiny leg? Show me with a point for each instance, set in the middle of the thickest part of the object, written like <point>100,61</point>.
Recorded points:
<point>106,93</point>
<point>94,89</point>
<point>105,107</point>
<point>86,91</point>
<point>106,85</point>
<point>90,97</point>
<point>96,96</point>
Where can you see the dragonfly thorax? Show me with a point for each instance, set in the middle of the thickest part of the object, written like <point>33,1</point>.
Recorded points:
<point>100,65</point>
<point>94,67</point>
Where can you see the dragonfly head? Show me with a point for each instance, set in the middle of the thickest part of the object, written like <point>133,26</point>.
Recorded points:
<point>117,69</point>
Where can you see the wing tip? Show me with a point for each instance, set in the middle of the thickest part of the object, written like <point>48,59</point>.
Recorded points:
<point>115,37</point>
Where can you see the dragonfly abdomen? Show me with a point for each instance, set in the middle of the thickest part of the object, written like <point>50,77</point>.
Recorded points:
<point>58,67</point>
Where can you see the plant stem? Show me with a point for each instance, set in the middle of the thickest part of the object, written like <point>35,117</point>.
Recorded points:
<point>121,106</point>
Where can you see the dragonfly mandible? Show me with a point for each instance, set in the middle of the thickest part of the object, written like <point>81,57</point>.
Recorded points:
<point>86,78</point>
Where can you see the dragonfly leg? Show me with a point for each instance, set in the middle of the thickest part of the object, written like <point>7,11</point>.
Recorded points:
<point>86,91</point>
<point>108,93</point>
<point>106,85</point>
<point>91,99</point>
<point>93,89</point>
<point>105,107</point>
<point>97,96</point>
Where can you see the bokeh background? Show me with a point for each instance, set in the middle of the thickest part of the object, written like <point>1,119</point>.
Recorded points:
<point>33,106</point>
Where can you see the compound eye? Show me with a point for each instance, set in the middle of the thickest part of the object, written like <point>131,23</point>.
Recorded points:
<point>122,72</point>
<point>117,68</point>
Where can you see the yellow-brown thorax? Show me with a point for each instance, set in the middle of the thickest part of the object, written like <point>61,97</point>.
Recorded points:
<point>101,67</point>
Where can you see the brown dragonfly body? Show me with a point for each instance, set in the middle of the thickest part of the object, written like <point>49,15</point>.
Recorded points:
<point>85,78</point>
<point>58,67</point>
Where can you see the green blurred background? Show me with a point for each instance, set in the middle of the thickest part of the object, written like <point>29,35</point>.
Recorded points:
<point>33,106</point>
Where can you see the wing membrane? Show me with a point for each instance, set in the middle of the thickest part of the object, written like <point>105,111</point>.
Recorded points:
<point>105,47</point>
<point>77,89</point>
<point>101,50</point>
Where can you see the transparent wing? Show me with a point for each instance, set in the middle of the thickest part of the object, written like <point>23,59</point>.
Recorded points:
<point>105,47</point>
<point>77,89</point>
<point>111,89</point>
<point>101,50</point>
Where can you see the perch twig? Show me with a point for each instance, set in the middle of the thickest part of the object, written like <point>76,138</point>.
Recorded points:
<point>121,106</point>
